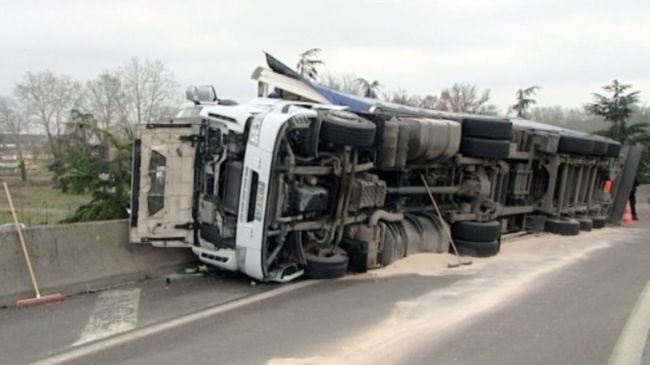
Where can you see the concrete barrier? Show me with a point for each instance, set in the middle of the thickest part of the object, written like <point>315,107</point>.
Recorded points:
<point>74,258</point>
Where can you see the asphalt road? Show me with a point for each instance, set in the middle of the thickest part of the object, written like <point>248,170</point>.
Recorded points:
<point>27,335</point>
<point>544,300</point>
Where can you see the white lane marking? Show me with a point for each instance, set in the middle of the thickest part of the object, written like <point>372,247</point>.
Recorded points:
<point>91,348</point>
<point>630,345</point>
<point>115,311</point>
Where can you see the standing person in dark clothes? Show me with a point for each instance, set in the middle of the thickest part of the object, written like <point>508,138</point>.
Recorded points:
<point>633,199</point>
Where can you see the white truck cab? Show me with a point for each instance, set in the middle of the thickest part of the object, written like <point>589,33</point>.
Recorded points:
<point>180,166</point>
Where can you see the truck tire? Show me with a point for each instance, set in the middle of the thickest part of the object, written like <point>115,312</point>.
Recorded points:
<point>330,266</point>
<point>477,249</point>
<point>598,222</point>
<point>586,224</point>
<point>575,145</point>
<point>347,129</point>
<point>563,226</point>
<point>485,148</point>
<point>486,128</point>
<point>476,231</point>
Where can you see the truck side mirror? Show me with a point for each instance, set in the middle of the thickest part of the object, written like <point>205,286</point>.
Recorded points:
<point>192,94</point>
<point>207,93</point>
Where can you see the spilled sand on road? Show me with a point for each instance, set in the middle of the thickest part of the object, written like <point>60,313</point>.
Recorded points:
<point>437,264</point>
<point>421,264</point>
<point>491,283</point>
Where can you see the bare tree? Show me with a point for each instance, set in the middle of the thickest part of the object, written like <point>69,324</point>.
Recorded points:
<point>308,62</point>
<point>346,83</point>
<point>401,96</point>
<point>572,118</point>
<point>107,100</point>
<point>15,124</point>
<point>48,98</point>
<point>465,98</point>
<point>429,102</point>
<point>149,88</point>
<point>524,100</point>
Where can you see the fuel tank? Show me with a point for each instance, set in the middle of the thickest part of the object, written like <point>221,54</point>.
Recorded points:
<point>432,139</point>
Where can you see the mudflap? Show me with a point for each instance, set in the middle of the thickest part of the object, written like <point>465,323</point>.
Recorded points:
<point>357,254</point>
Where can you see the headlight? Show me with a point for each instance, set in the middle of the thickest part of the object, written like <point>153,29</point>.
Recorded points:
<point>241,257</point>
<point>259,201</point>
<point>254,132</point>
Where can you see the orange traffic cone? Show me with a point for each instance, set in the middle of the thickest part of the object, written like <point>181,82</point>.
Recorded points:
<point>627,216</point>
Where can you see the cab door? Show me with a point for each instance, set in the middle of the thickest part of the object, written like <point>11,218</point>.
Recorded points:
<point>162,188</point>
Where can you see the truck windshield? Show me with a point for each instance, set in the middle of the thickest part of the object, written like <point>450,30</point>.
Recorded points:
<point>156,195</point>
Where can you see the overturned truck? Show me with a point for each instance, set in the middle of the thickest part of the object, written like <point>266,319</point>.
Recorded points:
<point>305,180</point>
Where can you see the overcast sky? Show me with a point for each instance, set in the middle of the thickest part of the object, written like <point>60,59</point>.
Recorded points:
<point>569,48</point>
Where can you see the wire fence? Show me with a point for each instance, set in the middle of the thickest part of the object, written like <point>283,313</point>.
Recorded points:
<point>37,202</point>
<point>37,215</point>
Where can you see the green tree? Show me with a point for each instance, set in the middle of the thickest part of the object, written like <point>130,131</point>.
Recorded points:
<point>617,109</point>
<point>524,100</point>
<point>108,179</point>
<point>308,62</point>
<point>369,89</point>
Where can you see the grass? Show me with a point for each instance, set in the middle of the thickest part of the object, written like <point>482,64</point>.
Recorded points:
<point>37,201</point>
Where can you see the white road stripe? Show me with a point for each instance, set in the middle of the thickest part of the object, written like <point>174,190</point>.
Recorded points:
<point>630,345</point>
<point>115,311</point>
<point>139,333</point>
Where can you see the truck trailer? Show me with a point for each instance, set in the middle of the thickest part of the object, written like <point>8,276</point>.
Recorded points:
<point>307,180</point>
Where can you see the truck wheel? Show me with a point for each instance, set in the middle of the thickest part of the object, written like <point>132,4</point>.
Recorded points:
<point>348,129</point>
<point>563,226</point>
<point>484,148</point>
<point>486,128</point>
<point>327,264</point>
<point>575,145</point>
<point>586,224</point>
<point>598,222</point>
<point>477,231</point>
<point>477,249</point>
